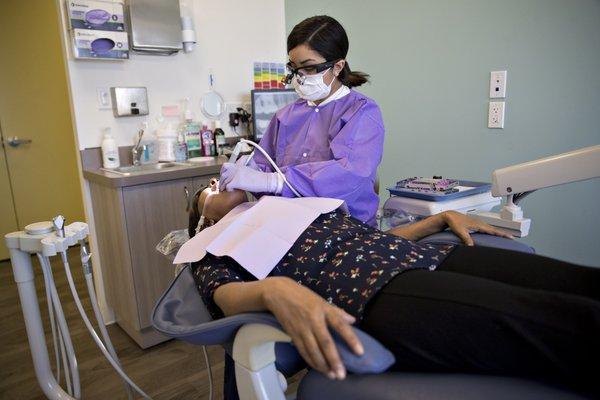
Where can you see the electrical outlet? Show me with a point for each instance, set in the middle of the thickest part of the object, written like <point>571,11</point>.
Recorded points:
<point>496,114</point>
<point>497,84</point>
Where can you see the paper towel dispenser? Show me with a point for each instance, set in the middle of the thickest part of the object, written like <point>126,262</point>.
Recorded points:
<point>155,26</point>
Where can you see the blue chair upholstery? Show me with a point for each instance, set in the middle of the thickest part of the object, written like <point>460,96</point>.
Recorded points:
<point>180,313</point>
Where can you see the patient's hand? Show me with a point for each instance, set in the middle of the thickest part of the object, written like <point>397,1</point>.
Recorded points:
<point>463,226</point>
<point>306,317</point>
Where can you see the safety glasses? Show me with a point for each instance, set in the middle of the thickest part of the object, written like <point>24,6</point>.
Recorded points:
<point>301,72</point>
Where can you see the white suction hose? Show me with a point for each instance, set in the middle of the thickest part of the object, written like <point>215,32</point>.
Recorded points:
<point>275,167</point>
<point>74,387</point>
<point>93,333</point>
<point>52,325</point>
<point>89,280</point>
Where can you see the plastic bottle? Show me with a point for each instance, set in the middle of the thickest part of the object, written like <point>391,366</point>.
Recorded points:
<point>181,151</point>
<point>208,142</point>
<point>167,141</point>
<point>191,132</point>
<point>110,151</point>
<point>149,145</point>
<point>219,138</point>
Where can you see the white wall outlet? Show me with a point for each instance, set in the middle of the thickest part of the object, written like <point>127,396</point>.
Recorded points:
<point>497,84</point>
<point>103,98</point>
<point>496,114</point>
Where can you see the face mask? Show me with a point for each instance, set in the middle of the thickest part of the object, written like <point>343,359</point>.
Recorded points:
<point>313,88</point>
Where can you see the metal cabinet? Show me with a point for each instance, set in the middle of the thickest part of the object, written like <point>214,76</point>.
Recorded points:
<point>129,222</point>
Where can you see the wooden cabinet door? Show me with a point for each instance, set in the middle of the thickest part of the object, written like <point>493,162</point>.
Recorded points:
<point>152,211</point>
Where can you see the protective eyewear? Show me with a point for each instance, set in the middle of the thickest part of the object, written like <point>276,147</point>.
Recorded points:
<point>301,72</point>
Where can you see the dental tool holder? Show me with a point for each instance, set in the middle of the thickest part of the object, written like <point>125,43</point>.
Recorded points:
<point>509,218</point>
<point>48,244</point>
<point>41,238</point>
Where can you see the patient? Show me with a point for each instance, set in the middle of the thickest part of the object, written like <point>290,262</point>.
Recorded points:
<point>438,308</point>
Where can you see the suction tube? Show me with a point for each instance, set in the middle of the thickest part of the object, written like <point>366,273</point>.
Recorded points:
<point>264,153</point>
<point>93,333</point>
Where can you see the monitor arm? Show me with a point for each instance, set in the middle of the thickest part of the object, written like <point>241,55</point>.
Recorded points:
<point>517,181</point>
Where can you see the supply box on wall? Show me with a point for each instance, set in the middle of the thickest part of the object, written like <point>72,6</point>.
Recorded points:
<point>98,29</point>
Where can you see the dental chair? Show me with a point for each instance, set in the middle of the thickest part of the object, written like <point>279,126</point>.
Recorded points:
<point>259,350</point>
<point>263,356</point>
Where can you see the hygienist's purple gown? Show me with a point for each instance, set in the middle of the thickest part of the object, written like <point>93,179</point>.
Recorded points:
<point>330,151</point>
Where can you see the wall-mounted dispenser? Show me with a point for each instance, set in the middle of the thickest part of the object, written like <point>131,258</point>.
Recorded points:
<point>98,29</point>
<point>155,26</point>
<point>188,32</point>
<point>129,101</point>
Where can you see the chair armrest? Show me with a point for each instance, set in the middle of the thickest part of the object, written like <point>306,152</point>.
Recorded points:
<point>480,239</point>
<point>180,313</point>
<point>252,336</point>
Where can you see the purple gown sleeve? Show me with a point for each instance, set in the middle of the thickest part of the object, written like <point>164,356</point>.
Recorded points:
<point>357,150</point>
<point>268,144</point>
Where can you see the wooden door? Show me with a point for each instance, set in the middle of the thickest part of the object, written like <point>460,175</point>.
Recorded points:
<point>34,105</point>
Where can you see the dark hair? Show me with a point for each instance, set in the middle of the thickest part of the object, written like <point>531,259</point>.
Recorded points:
<point>327,37</point>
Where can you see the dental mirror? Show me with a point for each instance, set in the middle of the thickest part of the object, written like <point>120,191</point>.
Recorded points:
<point>212,103</point>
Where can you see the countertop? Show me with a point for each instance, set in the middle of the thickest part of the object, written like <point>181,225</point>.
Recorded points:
<point>116,180</point>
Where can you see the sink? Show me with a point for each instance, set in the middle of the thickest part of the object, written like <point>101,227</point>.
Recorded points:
<point>127,170</point>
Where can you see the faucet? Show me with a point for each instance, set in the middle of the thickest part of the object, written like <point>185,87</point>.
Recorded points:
<point>138,149</point>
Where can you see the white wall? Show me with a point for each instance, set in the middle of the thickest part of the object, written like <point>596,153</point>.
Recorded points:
<point>231,35</point>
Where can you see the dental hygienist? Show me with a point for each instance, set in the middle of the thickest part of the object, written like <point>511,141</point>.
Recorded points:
<point>329,143</point>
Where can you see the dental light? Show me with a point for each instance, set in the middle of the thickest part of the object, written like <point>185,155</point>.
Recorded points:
<point>517,181</point>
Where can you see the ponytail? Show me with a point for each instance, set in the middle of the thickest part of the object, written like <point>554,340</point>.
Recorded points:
<point>352,78</point>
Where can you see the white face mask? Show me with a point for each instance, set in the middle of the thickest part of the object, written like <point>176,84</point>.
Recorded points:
<point>314,87</point>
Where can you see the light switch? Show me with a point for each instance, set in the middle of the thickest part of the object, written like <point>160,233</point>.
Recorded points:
<point>129,101</point>
<point>103,98</point>
<point>497,84</point>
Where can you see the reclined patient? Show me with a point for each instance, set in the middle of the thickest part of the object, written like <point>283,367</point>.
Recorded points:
<point>438,308</point>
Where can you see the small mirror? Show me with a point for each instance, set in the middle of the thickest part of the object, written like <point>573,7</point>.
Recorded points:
<point>212,105</point>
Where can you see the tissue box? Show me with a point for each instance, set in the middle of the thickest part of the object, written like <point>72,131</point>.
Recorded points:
<point>96,15</point>
<point>100,44</point>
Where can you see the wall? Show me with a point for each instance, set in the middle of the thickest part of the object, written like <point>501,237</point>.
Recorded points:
<point>430,62</point>
<point>231,35</point>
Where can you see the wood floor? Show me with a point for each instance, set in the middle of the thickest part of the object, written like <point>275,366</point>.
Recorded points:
<point>172,370</point>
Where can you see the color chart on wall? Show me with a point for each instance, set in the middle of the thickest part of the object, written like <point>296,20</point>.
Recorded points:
<point>268,75</point>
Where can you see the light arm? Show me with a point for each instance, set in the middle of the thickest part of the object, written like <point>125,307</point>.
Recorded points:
<point>577,165</point>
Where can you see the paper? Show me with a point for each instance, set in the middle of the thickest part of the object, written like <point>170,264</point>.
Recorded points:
<point>257,235</point>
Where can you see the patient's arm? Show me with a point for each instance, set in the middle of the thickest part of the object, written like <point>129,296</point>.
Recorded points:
<point>304,315</point>
<point>459,223</point>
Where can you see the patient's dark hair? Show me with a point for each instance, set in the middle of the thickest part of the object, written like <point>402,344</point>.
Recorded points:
<point>327,37</point>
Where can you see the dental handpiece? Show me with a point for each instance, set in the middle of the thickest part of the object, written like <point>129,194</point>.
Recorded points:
<point>235,153</point>
<point>59,225</point>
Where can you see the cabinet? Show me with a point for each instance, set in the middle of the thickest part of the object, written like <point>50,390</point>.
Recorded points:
<point>129,222</point>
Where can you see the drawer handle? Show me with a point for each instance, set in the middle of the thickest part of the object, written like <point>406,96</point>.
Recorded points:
<point>186,196</point>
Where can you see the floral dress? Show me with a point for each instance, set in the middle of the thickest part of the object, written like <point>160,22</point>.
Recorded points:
<point>340,258</point>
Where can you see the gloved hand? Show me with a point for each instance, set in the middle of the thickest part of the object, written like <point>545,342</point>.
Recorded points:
<point>237,176</point>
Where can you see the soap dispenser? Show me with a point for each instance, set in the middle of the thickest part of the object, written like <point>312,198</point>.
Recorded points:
<point>110,151</point>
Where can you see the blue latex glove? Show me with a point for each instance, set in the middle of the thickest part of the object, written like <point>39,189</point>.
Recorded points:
<point>237,176</point>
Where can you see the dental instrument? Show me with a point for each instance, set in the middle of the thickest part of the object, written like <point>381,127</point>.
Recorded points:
<point>518,181</point>
<point>237,150</point>
<point>49,239</point>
